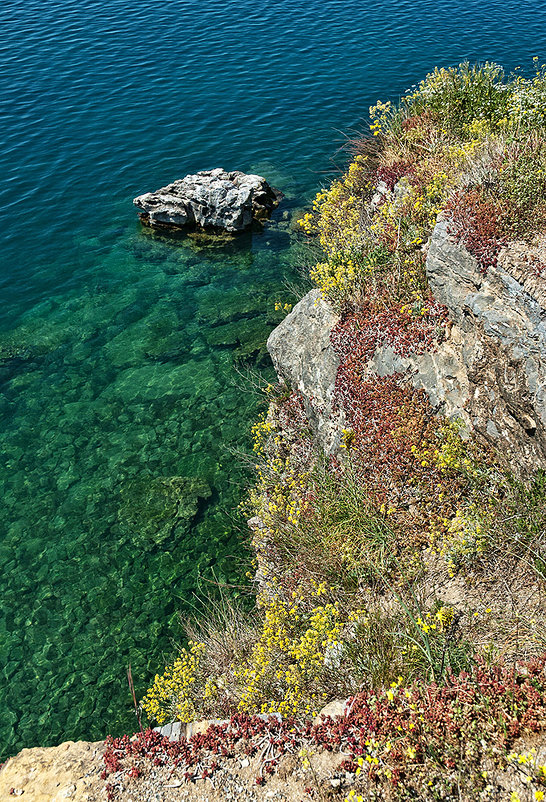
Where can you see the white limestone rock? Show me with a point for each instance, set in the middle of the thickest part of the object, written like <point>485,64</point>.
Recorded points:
<point>213,199</point>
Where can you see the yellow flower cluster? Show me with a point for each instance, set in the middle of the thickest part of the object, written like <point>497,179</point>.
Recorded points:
<point>445,615</point>
<point>354,797</point>
<point>381,115</point>
<point>391,692</point>
<point>415,215</point>
<point>521,758</point>
<point>351,234</point>
<point>307,223</point>
<point>348,439</point>
<point>376,756</point>
<point>531,773</point>
<point>356,176</point>
<point>284,307</point>
<point>451,454</point>
<point>279,495</point>
<point>436,622</point>
<point>466,536</point>
<point>296,644</point>
<point>260,433</point>
<point>172,694</point>
<point>338,212</point>
<point>436,192</point>
<point>338,278</point>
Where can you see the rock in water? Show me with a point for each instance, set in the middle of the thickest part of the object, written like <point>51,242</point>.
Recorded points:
<point>209,199</point>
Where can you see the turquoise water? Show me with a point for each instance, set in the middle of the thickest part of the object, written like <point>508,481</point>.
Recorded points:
<point>121,403</point>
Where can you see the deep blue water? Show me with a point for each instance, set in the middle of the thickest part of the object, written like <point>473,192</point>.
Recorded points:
<point>119,349</point>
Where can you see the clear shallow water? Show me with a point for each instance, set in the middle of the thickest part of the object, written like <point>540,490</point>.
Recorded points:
<point>118,395</point>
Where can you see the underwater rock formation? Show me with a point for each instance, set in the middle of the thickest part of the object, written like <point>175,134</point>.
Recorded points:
<point>209,199</point>
<point>162,508</point>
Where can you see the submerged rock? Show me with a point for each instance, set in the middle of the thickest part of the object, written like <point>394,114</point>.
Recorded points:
<point>162,508</point>
<point>231,201</point>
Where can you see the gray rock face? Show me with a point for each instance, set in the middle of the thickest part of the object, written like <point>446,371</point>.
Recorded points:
<point>209,199</point>
<point>303,355</point>
<point>499,339</point>
<point>490,370</point>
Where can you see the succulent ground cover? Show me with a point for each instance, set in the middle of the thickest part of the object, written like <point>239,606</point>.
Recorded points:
<point>461,739</point>
<point>407,572</point>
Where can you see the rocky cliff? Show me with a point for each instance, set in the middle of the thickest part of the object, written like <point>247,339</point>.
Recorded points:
<point>488,370</point>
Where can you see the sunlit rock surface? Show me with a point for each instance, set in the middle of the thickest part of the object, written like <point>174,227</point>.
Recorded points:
<point>499,327</point>
<point>304,357</point>
<point>69,771</point>
<point>209,199</point>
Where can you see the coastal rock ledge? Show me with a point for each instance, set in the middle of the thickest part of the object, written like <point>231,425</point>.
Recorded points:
<point>488,371</point>
<point>231,201</point>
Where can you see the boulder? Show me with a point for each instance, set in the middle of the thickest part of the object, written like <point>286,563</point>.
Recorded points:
<point>304,357</point>
<point>215,199</point>
<point>338,708</point>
